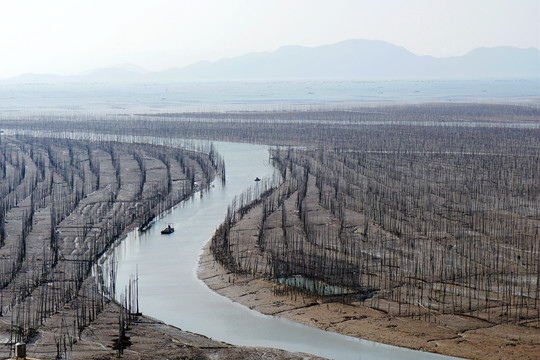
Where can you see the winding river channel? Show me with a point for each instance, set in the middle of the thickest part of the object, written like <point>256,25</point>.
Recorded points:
<point>170,290</point>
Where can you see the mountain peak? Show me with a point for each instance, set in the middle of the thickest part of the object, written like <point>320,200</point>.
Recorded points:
<point>353,59</point>
<point>361,59</point>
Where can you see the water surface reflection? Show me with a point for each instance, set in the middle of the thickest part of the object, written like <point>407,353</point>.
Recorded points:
<point>170,290</point>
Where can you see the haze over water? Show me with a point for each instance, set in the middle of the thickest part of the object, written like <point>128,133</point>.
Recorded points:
<point>162,97</point>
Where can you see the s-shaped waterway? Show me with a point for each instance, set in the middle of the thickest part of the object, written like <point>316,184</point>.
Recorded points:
<point>170,290</point>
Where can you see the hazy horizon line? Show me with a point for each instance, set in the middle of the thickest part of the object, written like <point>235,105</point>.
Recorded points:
<point>137,68</point>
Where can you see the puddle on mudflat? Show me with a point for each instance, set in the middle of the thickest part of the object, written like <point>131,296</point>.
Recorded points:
<point>313,286</point>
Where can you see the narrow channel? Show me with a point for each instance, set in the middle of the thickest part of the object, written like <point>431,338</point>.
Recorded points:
<point>169,289</point>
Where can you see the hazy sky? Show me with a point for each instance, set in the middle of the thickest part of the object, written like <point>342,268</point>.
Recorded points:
<point>72,36</point>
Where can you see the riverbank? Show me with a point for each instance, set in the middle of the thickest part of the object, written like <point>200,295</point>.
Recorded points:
<point>77,200</point>
<point>150,339</point>
<point>459,336</point>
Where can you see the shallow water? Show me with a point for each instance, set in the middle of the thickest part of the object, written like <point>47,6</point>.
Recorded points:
<point>313,286</point>
<point>170,290</point>
<point>254,95</point>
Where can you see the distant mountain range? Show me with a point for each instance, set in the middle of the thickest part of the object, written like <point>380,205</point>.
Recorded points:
<point>351,59</point>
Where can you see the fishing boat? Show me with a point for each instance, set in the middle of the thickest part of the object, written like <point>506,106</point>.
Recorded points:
<point>168,230</point>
